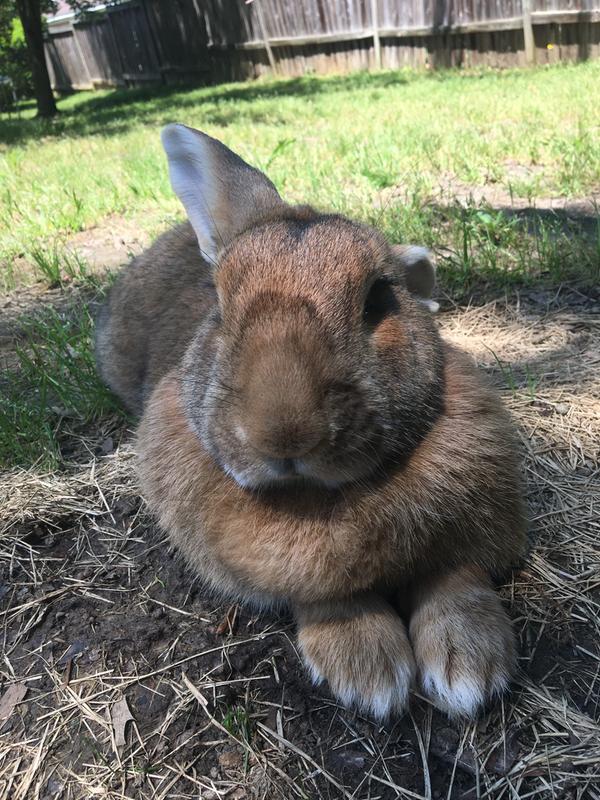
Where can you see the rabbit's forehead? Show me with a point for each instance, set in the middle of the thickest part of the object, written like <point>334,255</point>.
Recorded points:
<point>323,256</point>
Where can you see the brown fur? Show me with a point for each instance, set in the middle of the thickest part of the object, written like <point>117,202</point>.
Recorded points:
<point>363,647</point>
<point>151,314</point>
<point>435,511</point>
<point>404,477</point>
<point>462,640</point>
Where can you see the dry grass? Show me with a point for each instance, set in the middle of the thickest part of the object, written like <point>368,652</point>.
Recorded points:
<point>100,623</point>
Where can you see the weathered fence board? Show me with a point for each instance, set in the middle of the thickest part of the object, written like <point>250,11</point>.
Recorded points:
<point>99,49</point>
<point>140,41</point>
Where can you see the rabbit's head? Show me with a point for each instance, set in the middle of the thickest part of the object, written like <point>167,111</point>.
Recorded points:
<point>320,361</point>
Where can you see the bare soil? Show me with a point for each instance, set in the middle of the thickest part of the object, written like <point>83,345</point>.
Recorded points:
<point>111,244</point>
<point>97,610</point>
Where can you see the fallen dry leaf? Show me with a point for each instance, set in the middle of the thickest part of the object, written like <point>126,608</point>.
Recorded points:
<point>120,716</point>
<point>11,697</point>
<point>227,624</point>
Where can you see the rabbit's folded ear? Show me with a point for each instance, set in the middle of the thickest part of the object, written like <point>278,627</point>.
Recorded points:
<point>418,270</point>
<point>221,194</point>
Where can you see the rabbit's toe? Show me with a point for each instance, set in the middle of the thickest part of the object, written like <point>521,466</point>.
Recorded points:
<point>464,647</point>
<point>461,692</point>
<point>365,657</point>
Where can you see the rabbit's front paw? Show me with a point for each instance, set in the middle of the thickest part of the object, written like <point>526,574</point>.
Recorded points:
<point>361,649</point>
<point>463,643</point>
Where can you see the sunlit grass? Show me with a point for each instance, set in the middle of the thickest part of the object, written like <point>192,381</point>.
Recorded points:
<point>335,142</point>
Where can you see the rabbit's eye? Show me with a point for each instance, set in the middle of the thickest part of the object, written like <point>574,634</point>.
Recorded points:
<point>379,302</point>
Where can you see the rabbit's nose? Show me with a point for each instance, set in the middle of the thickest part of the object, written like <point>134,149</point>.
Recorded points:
<point>283,415</point>
<point>279,441</point>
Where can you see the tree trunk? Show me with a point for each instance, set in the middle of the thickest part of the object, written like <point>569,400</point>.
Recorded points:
<point>31,18</point>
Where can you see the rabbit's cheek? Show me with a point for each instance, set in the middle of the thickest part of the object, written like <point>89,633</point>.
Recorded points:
<point>389,335</point>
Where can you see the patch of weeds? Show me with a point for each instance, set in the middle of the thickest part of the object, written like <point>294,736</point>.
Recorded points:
<point>506,371</point>
<point>59,267</point>
<point>579,158</point>
<point>566,254</point>
<point>237,722</point>
<point>482,243</point>
<point>52,387</point>
<point>379,176</point>
<point>533,381</point>
<point>504,250</point>
<point>278,150</point>
<point>528,189</point>
<point>410,221</point>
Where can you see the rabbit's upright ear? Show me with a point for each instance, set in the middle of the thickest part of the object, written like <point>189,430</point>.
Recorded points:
<point>418,270</point>
<point>220,192</point>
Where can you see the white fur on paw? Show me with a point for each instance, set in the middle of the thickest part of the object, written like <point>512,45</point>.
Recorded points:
<point>464,645</point>
<point>465,695</point>
<point>380,701</point>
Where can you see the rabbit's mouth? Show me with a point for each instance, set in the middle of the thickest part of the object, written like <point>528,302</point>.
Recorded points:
<point>299,470</point>
<point>284,468</point>
<point>268,473</point>
<point>273,472</point>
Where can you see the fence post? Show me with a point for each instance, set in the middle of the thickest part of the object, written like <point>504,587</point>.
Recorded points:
<point>376,39</point>
<point>528,32</point>
<point>263,33</point>
<point>153,41</point>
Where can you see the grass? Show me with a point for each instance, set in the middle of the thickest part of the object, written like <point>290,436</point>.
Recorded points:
<point>340,143</point>
<point>95,609</point>
<point>51,390</point>
<point>412,139</point>
<point>59,267</point>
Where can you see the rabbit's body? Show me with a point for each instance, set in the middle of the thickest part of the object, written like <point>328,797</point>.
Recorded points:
<point>309,543</point>
<point>152,313</point>
<point>307,438</point>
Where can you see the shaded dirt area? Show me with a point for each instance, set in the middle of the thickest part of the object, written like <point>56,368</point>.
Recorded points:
<point>132,682</point>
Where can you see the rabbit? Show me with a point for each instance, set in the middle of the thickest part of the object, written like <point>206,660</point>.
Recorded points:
<point>309,441</point>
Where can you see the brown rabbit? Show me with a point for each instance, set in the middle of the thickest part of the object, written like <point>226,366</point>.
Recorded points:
<point>308,439</point>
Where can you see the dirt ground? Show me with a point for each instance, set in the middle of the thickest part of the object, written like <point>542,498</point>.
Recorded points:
<point>122,678</point>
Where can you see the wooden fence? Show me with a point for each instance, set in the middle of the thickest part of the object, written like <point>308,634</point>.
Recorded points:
<point>166,41</point>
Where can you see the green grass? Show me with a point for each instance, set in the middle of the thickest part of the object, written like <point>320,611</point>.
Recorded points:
<point>51,391</point>
<point>335,142</point>
<point>237,722</point>
<point>373,146</point>
<point>60,267</point>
